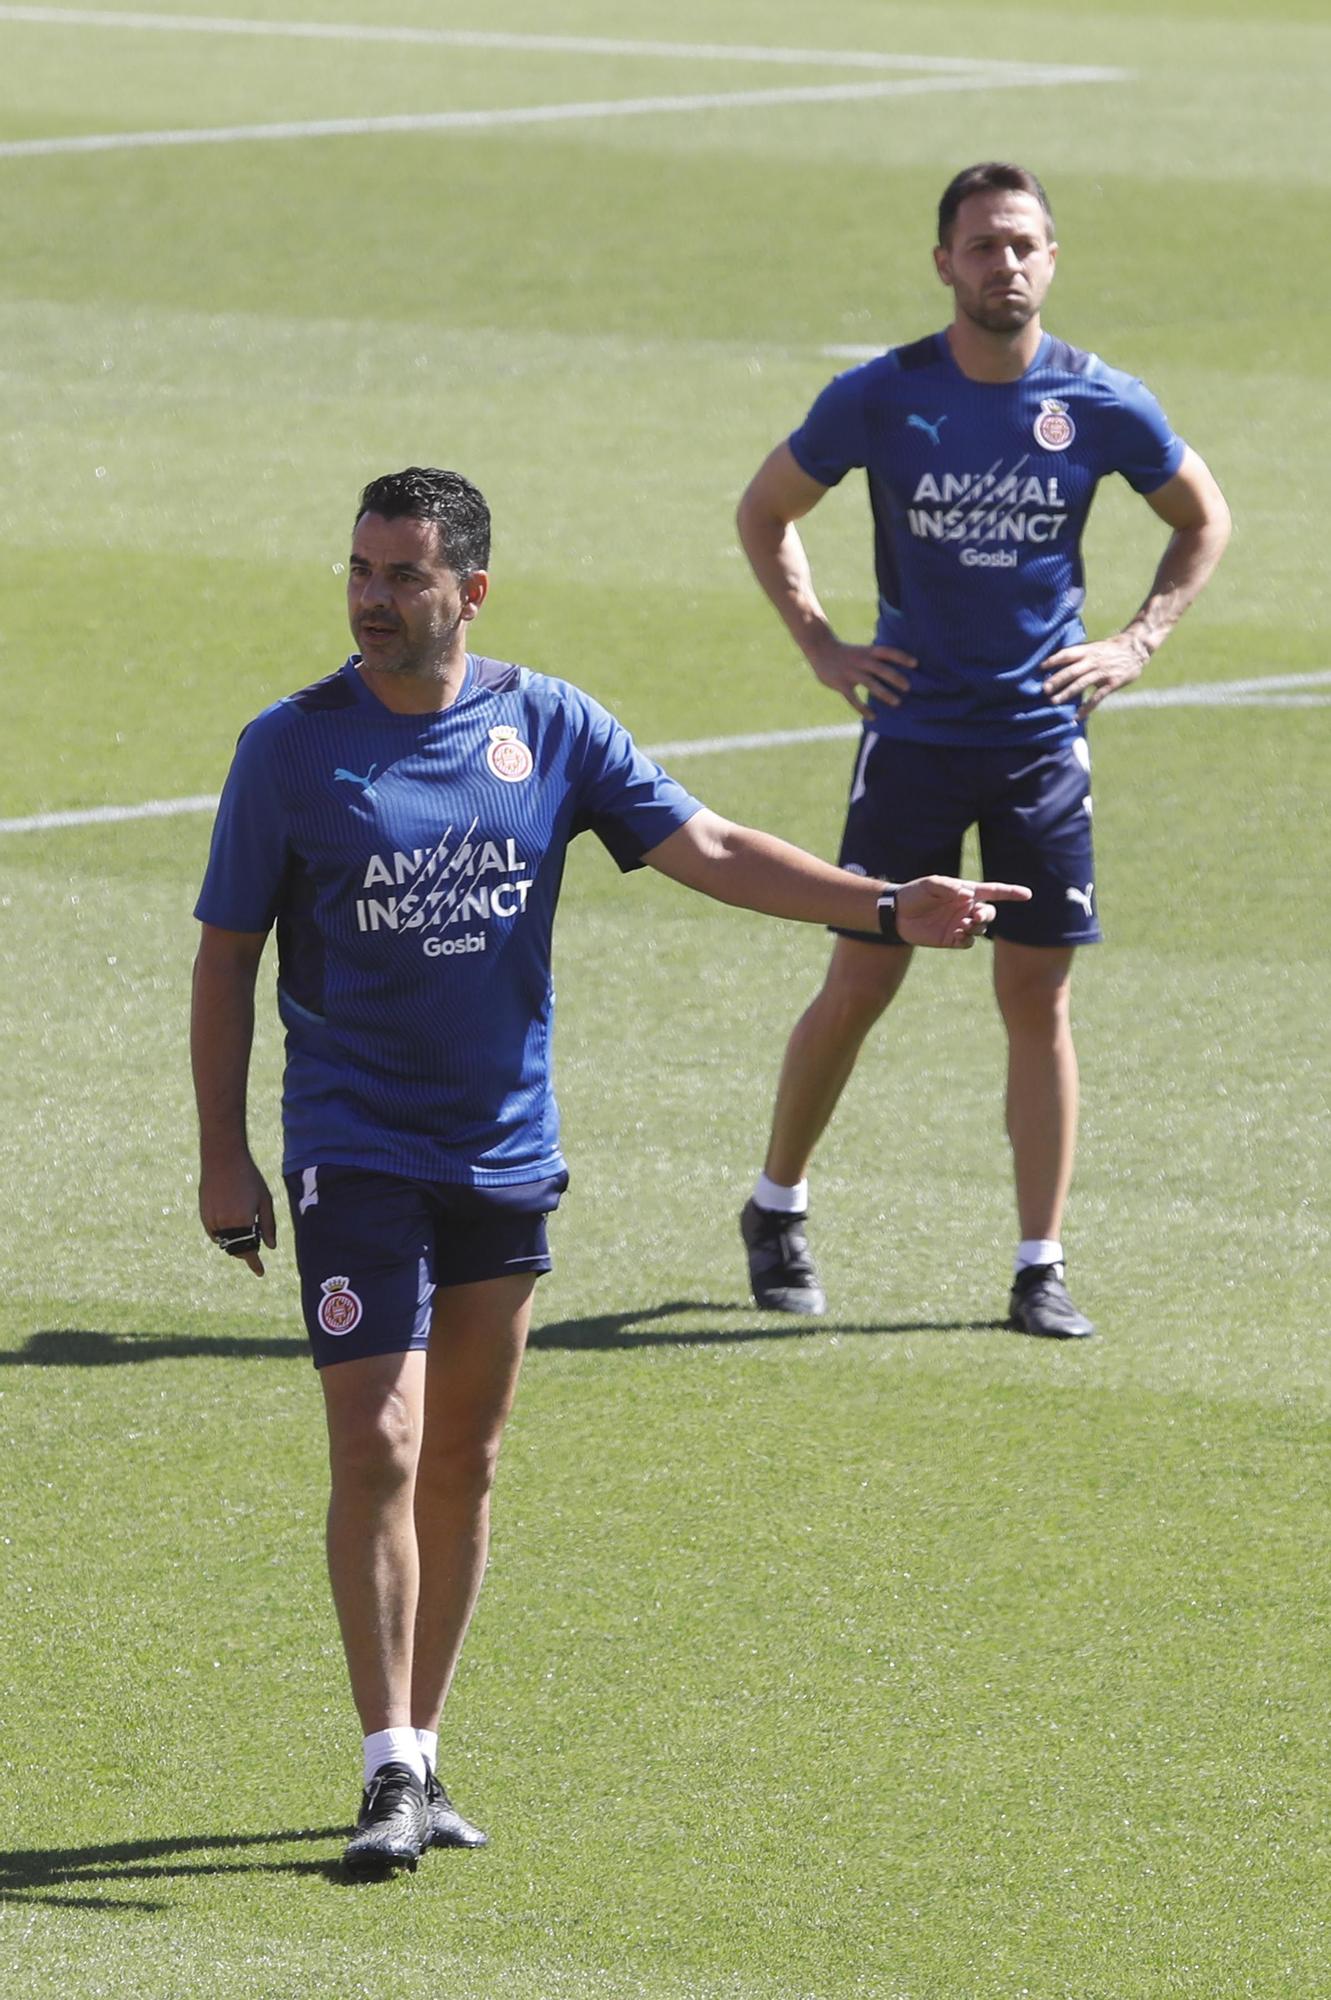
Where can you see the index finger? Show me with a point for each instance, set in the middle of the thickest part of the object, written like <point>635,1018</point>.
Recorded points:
<point>881,675</point>
<point>1068,681</point>
<point>861,708</point>
<point>1001,892</point>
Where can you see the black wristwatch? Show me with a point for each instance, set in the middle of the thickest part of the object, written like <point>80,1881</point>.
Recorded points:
<point>887,916</point>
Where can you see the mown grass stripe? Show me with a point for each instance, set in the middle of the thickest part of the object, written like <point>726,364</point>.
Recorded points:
<point>522,114</point>
<point>1274,691</point>
<point>574,45</point>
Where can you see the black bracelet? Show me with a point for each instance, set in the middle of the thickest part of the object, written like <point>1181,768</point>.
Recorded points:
<point>238,1242</point>
<point>887,917</point>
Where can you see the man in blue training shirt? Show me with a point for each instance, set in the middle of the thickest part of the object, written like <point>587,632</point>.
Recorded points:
<point>983,446</point>
<point>403,824</point>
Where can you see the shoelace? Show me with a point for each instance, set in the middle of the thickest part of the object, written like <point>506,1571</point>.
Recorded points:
<point>789,1248</point>
<point>1046,1275</point>
<point>393,1788</point>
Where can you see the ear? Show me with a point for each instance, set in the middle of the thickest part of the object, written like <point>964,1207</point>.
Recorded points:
<point>475,590</point>
<point>943,263</point>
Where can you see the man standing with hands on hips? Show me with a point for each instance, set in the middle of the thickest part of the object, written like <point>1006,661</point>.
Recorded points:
<point>983,446</point>
<point>403,825</point>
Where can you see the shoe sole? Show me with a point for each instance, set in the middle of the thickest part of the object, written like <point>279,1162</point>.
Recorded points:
<point>384,1860</point>
<point>1047,1333</point>
<point>813,1310</point>
<point>369,1868</point>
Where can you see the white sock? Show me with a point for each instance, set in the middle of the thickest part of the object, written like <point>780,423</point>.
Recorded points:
<point>392,1746</point>
<point>1038,1250</point>
<point>781,1200</point>
<point>428,1740</point>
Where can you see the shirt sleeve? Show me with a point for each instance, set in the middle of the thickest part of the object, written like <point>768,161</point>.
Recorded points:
<point>249,855</point>
<point>626,800</point>
<point>831,441</point>
<point>1143,448</point>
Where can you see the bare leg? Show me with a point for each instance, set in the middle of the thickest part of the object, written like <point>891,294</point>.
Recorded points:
<point>861,980</point>
<point>1032,985</point>
<point>477,1341</point>
<point>374,1410</point>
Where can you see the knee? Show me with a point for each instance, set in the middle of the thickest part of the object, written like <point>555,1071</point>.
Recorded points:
<point>375,1448</point>
<point>458,1467</point>
<point>850,1003</point>
<point>1034,998</point>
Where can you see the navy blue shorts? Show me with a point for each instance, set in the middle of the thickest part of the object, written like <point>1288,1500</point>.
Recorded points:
<point>372,1249</point>
<point>912,803</point>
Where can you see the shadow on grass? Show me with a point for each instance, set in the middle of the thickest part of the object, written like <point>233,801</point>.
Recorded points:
<point>80,1347</point>
<point>625,1330</point>
<point>52,1875</point>
<point>77,1347</point>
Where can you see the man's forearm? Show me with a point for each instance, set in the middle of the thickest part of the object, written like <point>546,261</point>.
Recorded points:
<point>755,871</point>
<point>221,1038</point>
<point>778,559</point>
<point>1186,567</point>
<point>233,1195</point>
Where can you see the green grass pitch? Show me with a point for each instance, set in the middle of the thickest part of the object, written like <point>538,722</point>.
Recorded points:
<point>892,1658</point>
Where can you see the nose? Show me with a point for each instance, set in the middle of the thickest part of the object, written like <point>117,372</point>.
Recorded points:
<point>374,589</point>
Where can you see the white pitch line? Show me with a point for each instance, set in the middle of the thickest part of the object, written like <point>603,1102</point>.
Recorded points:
<point>573,45</point>
<point>1274,691</point>
<point>772,739</point>
<point>524,114</point>
<point>1219,694</point>
<point>112,815</point>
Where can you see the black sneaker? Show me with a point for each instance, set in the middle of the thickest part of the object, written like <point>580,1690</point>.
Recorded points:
<point>394,1823</point>
<point>781,1271</point>
<point>447,1826</point>
<point>1040,1304</point>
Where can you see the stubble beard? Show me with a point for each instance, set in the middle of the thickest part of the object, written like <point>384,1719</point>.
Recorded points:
<point>1006,318</point>
<point>427,663</point>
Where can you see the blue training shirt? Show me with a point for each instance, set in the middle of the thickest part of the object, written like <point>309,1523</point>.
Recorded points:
<point>980,494</point>
<point>412,864</point>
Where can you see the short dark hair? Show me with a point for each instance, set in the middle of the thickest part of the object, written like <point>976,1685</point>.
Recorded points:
<point>989,177</point>
<point>457,508</point>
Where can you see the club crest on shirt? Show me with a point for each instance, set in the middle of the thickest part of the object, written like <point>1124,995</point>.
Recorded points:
<point>1054,428</point>
<point>506,757</point>
<point>339,1308</point>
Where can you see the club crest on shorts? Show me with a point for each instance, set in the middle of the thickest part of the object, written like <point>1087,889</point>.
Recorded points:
<point>339,1308</point>
<point>506,757</point>
<point>1054,428</point>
